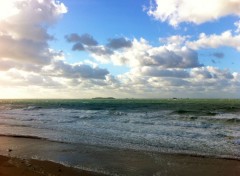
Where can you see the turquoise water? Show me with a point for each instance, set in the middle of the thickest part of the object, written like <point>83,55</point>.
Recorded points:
<point>189,126</point>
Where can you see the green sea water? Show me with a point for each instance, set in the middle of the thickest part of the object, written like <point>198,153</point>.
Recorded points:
<point>182,106</point>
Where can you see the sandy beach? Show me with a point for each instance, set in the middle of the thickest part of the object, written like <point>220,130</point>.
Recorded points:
<point>27,157</point>
<point>27,167</point>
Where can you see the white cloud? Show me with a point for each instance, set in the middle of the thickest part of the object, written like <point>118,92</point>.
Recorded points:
<point>178,11</point>
<point>146,81</point>
<point>19,78</point>
<point>214,41</point>
<point>237,24</point>
<point>7,9</point>
<point>226,38</point>
<point>24,34</point>
<point>174,41</point>
<point>12,64</point>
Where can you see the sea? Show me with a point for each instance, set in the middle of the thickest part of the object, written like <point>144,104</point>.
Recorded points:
<point>201,127</point>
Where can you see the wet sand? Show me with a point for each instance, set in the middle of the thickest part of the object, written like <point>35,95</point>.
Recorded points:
<point>102,160</point>
<point>23,167</point>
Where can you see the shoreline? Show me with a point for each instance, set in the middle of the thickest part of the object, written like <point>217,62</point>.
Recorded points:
<point>10,166</point>
<point>165,152</point>
<point>33,156</point>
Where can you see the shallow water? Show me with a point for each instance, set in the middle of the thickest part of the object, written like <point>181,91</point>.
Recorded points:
<point>201,127</point>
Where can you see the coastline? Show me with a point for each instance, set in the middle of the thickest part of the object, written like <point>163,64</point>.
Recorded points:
<point>36,156</point>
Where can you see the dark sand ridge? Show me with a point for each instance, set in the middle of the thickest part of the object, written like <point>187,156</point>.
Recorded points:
<point>107,161</point>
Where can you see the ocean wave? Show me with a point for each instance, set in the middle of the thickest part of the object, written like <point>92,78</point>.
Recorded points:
<point>195,112</point>
<point>24,136</point>
<point>31,108</point>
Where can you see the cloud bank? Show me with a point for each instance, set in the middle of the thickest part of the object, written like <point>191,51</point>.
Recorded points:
<point>173,67</point>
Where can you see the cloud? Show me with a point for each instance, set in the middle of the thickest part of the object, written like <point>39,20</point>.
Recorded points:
<point>143,54</point>
<point>99,50</point>
<point>172,67</point>
<point>57,75</point>
<point>201,73</point>
<point>159,72</point>
<point>210,73</point>
<point>237,24</point>
<point>24,50</point>
<point>26,57</point>
<point>176,12</point>
<point>27,40</point>
<point>183,58</point>
<point>140,53</point>
<point>84,39</point>
<point>174,40</point>
<point>19,78</point>
<point>214,41</point>
<point>87,42</point>
<point>226,38</point>
<point>9,64</point>
<point>72,38</point>
<point>78,47</point>
<point>66,70</point>
<point>117,43</point>
<point>199,81</point>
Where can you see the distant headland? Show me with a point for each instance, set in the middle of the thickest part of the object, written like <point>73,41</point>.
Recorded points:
<point>103,98</point>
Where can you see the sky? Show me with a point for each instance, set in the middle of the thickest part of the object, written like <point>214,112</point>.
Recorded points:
<point>121,49</point>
